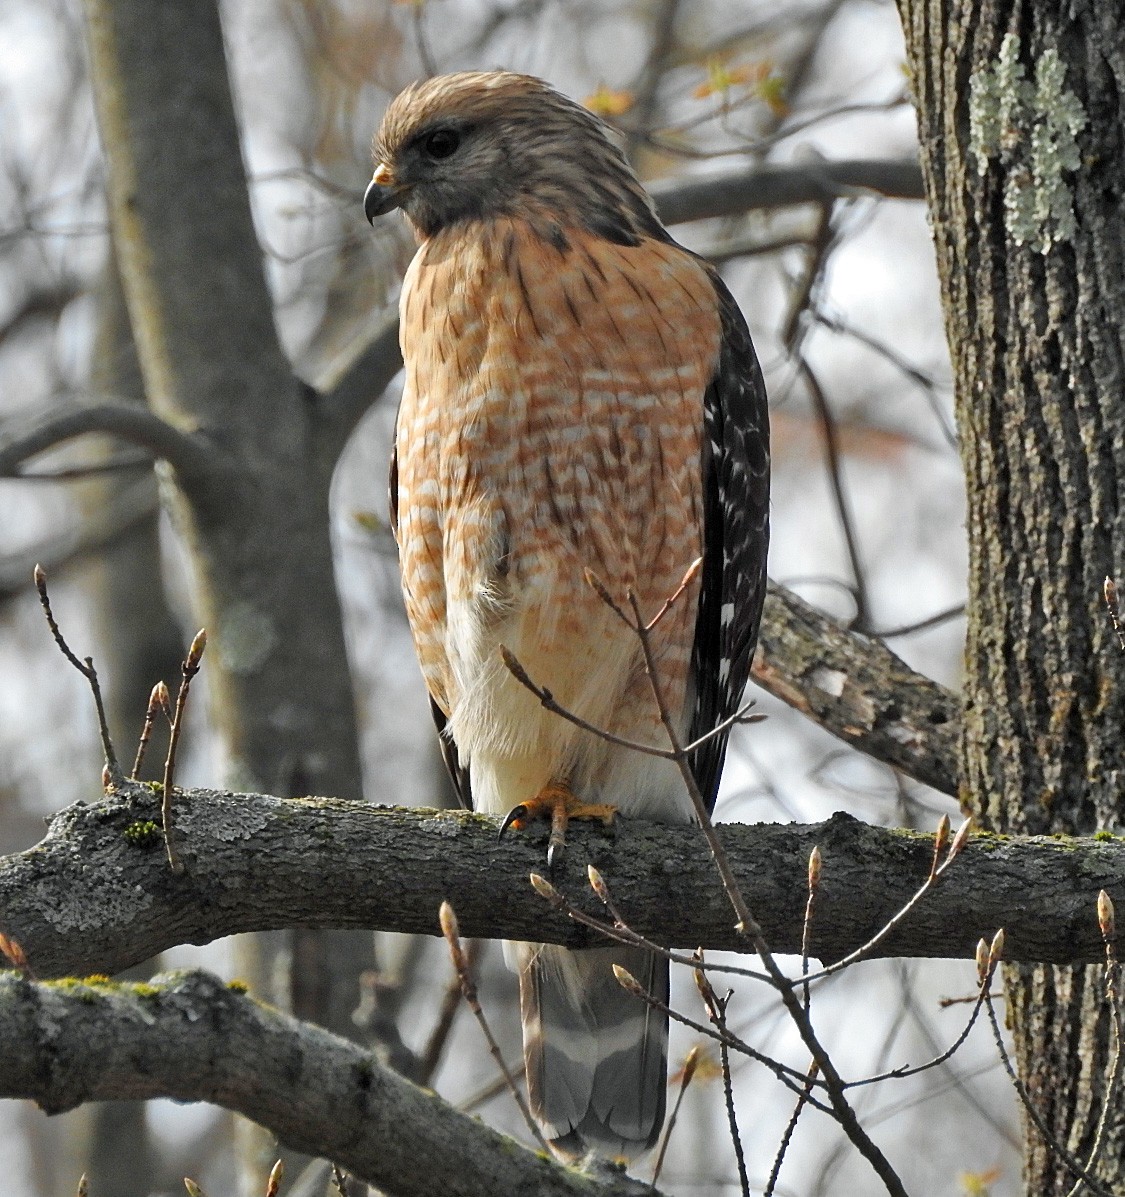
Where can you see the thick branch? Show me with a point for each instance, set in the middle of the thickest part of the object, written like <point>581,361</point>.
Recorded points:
<point>97,894</point>
<point>345,400</point>
<point>755,187</point>
<point>189,1037</point>
<point>127,421</point>
<point>859,690</point>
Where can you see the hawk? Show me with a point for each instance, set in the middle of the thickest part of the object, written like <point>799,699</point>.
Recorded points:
<point>581,396</point>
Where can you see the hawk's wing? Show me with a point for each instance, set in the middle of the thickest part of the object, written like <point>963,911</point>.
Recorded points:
<point>457,772</point>
<point>736,469</point>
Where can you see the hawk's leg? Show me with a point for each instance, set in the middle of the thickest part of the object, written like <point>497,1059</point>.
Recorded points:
<point>557,802</point>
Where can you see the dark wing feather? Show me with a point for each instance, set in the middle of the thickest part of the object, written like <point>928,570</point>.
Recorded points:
<point>736,480</point>
<point>457,772</point>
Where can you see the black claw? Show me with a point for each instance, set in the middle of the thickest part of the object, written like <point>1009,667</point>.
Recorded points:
<point>517,812</point>
<point>554,856</point>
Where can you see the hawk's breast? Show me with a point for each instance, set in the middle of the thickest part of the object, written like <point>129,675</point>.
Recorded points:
<point>551,424</point>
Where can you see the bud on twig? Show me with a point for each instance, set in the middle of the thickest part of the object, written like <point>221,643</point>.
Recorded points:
<point>627,981</point>
<point>599,588</point>
<point>546,890</point>
<point>982,961</point>
<point>274,1182</point>
<point>195,651</point>
<point>448,921</point>
<point>193,1189</point>
<point>814,867</point>
<point>960,839</point>
<point>996,949</point>
<point>1107,922</point>
<point>941,836</point>
<point>597,884</point>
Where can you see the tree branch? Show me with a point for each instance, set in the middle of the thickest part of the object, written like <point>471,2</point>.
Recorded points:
<point>188,1036</point>
<point>128,421</point>
<point>345,400</point>
<point>755,187</point>
<point>859,690</point>
<point>97,894</point>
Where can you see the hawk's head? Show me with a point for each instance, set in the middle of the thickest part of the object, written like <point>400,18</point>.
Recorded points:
<point>477,145</point>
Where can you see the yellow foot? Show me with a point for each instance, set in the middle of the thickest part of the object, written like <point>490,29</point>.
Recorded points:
<point>558,803</point>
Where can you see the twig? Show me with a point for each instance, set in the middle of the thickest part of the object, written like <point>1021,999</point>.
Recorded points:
<point>422,42</point>
<point>114,776</point>
<point>806,927</point>
<point>747,925</point>
<point>486,1093</point>
<point>687,1073</point>
<point>431,1054</point>
<point>189,669</point>
<point>716,1008</point>
<point>158,700</point>
<point>920,625</point>
<point>936,874</point>
<point>623,933</point>
<point>898,1074</point>
<point>1065,1158</point>
<point>1107,926</point>
<point>550,703</point>
<point>787,1134</point>
<point>448,921</point>
<point>802,1098</point>
<point>862,619</point>
<point>791,1078</point>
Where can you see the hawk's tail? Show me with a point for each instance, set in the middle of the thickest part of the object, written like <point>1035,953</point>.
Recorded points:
<point>596,1055</point>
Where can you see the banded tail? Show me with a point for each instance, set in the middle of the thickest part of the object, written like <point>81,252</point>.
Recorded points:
<point>596,1056</point>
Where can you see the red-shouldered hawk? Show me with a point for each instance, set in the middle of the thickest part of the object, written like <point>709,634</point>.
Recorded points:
<point>581,394</point>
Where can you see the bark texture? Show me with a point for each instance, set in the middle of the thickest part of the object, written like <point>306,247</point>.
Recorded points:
<point>190,1037</point>
<point>97,893</point>
<point>255,511</point>
<point>1022,120</point>
<point>858,690</point>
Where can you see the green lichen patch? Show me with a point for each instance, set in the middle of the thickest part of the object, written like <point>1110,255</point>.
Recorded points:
<point>143,834</point>
<point>1029,126</point>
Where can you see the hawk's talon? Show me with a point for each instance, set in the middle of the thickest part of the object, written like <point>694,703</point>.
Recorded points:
<point>512,819</point>
<point>557,802</point>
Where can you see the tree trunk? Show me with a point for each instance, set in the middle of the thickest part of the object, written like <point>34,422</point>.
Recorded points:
<point>1021,119</point>
<point>254,514</point>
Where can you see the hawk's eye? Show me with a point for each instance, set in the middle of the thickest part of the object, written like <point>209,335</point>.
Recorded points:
<point>441,143</point>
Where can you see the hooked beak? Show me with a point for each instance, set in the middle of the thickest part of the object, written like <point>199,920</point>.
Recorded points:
<point>382,193</point>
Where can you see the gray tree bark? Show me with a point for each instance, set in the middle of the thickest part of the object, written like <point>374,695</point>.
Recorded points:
<point>1021,117</point>
<point>97,893</point>
<point>252,503</point>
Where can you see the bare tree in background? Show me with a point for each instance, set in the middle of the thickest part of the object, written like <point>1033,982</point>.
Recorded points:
<point>1020,120</point>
